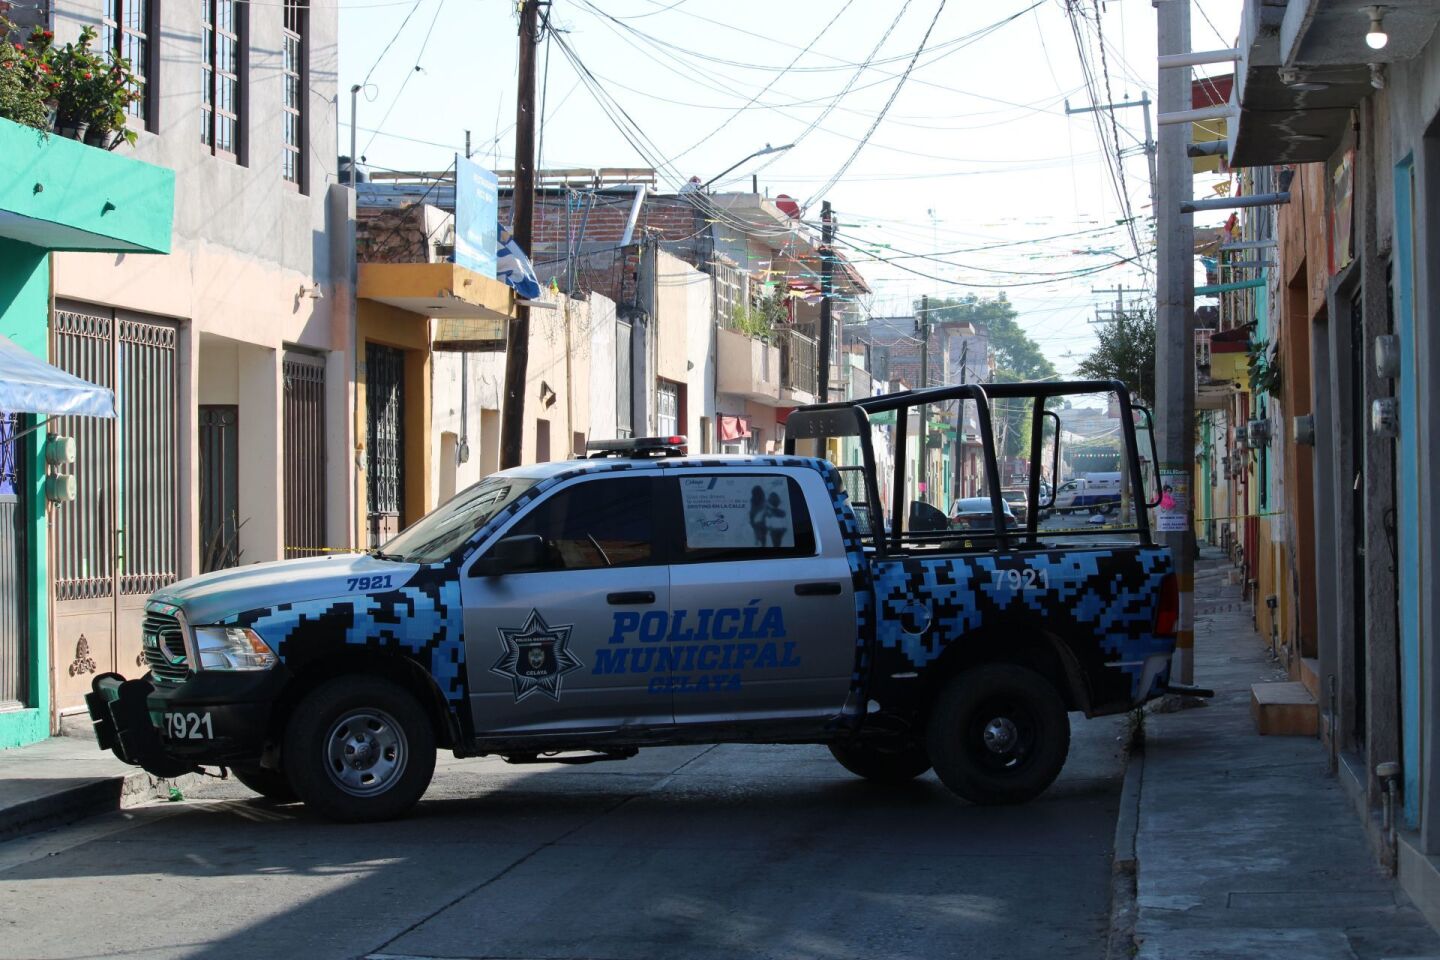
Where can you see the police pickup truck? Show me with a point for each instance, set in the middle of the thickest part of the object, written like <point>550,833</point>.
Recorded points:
<point>579,611</point>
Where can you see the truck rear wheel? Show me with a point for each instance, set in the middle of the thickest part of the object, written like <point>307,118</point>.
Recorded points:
<point>270,784</point>
<point>900,764</point>
<point>998,734</point>
<point>359,749</point>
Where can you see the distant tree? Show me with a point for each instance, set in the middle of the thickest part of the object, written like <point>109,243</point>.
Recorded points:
<point>1017,357</point>
<point>1126,352</point>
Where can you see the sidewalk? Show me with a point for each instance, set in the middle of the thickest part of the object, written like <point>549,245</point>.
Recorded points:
<point>64,779</point>
<point>1245,846</point>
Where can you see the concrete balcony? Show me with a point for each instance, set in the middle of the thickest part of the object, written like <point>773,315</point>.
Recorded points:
<point>747,367</point>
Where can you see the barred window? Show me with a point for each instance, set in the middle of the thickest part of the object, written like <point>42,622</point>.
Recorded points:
<point>293,69</point>
<point>125,28</point>
<point>220,63</point>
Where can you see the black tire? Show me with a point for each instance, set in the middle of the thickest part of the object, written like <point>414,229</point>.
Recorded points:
<point>270,784</point>
<point>882,763</point>
<point>359,749</point>
<point>998,734</point>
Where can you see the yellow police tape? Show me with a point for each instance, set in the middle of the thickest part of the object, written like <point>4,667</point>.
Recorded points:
<point>1241,516</point>
<point>324,550</point>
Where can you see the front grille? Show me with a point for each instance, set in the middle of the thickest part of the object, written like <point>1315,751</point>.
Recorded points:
<point>164,645</point>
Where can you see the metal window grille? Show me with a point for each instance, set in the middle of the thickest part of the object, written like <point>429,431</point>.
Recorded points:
<point>125,32</point>
<point>219,486</point>
<point>84,541</point>
<point>385,480</point>
<point>149,463</point>
<point>122,531</point>
<point>304,455</point>
<point>798,360</point>
<point>292,40</point>
<point>667,409</point>
<point>14,617</point>
<point>220,66</point>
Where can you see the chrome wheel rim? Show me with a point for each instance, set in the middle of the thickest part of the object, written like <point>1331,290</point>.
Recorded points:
<point>365,752</point>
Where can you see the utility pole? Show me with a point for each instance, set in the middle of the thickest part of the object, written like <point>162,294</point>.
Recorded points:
<point>1174,337</point>
<point>957,489</point>
<point>1144,104</point>
<point>827,284</point>
<point>517,348</point>
<point>923,458</point>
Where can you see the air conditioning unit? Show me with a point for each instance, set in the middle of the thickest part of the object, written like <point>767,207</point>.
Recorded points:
<point>1258,432</point>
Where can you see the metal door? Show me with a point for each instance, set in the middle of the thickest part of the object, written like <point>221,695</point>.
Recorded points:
<point>559,649</point>
<point>385,420</point>
<point>304,454</point>
<point>763,594</point>
<point>219,486</point>
<point>14,581</point>
<point>119,540</point>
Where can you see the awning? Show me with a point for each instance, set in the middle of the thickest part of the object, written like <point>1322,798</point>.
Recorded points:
<point>30,385</point>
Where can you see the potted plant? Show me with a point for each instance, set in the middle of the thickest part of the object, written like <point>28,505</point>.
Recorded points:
<point>114,89</point>
<point>80,95</point>
<point>25,90</point>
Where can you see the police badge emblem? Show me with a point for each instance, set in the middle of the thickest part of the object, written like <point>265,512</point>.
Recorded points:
<point>536,657</point>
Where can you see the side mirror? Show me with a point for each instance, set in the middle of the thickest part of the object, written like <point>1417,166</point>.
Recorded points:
<point>512,555</point>
<point>1054,461</point>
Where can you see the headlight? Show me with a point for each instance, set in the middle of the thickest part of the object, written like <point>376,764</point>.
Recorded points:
<point>232,648</point>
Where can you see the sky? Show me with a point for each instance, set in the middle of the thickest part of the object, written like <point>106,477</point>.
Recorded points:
<point>971,159</point>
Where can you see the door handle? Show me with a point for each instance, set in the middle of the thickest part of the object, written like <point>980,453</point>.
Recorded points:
<point>822,588</point>
<point>630,597</point>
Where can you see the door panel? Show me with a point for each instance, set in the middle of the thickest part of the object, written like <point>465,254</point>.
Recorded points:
<point>544,647</point>
<point>768,611</point>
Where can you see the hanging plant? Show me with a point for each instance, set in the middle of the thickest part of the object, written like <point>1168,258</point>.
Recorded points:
<point>1263,361</point>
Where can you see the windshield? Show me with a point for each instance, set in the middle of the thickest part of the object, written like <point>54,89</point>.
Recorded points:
<point>437,535</point>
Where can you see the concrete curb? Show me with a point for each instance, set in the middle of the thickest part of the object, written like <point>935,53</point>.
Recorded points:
<point>1124,908</point>
<point>80,799</point>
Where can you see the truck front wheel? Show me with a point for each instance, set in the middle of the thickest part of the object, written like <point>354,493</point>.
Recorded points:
<point>358,749</point>
<point>998,734</point>
<point>899,763</point>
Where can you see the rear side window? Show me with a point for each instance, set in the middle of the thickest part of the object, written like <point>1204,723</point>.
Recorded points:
<point>606,522</point>
<point>740,517</point>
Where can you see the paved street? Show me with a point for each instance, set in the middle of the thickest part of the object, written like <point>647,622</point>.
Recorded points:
<point>724,852</point>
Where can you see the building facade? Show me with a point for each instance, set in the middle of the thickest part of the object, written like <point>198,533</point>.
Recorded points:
<point>241,339</point>
<point>1336,427</point>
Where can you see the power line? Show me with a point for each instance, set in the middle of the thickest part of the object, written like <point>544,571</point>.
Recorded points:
<point>440,5</point>
<point>899,85</point>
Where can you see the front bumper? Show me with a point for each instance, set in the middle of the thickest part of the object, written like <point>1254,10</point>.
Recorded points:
<point>226,719</point>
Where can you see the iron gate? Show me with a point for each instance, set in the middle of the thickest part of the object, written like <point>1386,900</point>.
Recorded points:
<point>119,540</point>
<point>14,584</point>
<point>385,478</point>
<point>304,454</point>
<point>219,486</point>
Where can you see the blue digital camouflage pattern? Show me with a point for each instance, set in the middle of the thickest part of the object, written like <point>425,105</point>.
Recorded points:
<point>1101,602</point>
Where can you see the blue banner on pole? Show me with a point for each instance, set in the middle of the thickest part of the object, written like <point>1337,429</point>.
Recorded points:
<point>512,266</point>
<point>476,208</point>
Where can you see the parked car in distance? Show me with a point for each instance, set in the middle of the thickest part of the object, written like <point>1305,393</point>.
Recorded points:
<point>973,513</point>
<point>1019,503</point>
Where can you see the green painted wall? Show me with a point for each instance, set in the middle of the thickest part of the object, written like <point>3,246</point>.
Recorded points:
<point>87,198</point>
<point>24,318</point>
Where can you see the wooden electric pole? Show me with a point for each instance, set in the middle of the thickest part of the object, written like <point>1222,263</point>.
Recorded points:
<point>517,347</point>
<point>827,283</point>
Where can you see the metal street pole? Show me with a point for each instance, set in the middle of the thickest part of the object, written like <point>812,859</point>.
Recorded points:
<point>827,289</point>
<point>923,458</point>
<point>1175,296</point>
<point>517,347</point>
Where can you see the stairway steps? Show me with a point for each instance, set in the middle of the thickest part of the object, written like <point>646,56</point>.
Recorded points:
<point>1284,709</point>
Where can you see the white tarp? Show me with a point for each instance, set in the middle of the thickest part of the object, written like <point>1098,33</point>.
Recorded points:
<point>30,385</point>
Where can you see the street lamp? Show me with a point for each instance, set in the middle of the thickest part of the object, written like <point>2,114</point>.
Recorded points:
<point>757,153</point>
